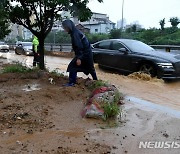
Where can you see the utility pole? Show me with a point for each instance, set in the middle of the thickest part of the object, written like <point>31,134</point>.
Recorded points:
<point>122,20</point>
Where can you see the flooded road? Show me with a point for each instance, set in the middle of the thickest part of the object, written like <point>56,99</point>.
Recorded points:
<point>166,94</point>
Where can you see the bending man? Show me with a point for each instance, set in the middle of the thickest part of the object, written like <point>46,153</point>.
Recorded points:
<point>83,60</point>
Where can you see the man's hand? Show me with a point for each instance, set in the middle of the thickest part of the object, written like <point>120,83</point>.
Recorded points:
<point>78,62</point>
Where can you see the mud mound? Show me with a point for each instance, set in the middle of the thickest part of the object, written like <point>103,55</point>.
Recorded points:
<point>144,77</point>
<point>60,54</point>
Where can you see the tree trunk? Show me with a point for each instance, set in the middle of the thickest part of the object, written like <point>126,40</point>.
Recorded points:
<point>41,52</point>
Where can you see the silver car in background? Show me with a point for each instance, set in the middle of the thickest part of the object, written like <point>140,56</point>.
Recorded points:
<point>24,48</point>
<point>4,47</point>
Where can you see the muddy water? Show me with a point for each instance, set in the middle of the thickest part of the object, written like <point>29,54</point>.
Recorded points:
<point>158,92</point>
<point>147,105</point>
<point>31,87</point>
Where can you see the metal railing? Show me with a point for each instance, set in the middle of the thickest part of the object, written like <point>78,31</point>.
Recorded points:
<point>51,47</point>
<point>58,47</point>
<point>68,47</point>
<point>167,48</point>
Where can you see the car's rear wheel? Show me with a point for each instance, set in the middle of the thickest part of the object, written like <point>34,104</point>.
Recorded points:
<point>17,53</point>
<point>148,69</point>
<point>7,50</point>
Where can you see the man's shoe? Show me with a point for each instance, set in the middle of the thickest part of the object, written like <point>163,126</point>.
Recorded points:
<point>69,85</point>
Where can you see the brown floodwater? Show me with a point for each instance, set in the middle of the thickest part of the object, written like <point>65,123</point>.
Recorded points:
<point>155,91</point>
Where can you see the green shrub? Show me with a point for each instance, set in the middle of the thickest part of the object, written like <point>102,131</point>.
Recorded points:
<point>97,84</point>
<point>58,37</point>
<point>16,68</point>
<point>97,37</point>
<point>115,33</point>
<point>111,110</point>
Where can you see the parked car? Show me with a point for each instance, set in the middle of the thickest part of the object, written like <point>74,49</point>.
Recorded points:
<point>4,47</point>
<point>24,48</point>
<point>132,56</point>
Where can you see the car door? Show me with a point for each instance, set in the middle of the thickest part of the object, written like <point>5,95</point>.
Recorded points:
<point>103,53</point>
<point>121,57</point>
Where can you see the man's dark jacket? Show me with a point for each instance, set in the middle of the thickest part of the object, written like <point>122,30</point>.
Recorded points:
<point>82,49</point>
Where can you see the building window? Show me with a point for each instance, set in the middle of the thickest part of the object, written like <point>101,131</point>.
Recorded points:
<point>96,30</point>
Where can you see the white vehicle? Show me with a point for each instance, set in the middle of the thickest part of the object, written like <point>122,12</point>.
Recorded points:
<point>4,47</point>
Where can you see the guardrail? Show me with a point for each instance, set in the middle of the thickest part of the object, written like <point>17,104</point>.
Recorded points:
<point>58,47</point>
<point>68,47</point>
<point>51,47</point>
<point>168,48</point>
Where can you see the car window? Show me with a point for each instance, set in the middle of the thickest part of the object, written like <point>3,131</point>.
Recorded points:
<point>103,45</point>
<point>138,46</point>
<point>27,44</point>
<point>116,46</point>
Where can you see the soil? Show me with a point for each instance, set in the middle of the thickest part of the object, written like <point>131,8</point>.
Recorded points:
<point>38,117</point>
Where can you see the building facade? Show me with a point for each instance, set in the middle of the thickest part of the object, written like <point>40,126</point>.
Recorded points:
<point>18,31</point>
<point>99,23</point>
<point>27,34</point>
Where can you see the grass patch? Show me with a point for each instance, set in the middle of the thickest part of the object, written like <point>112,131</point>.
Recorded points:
<point>111,110</point>
<point>17,68</point>
<point>118,97</point>
<point>97,84</point>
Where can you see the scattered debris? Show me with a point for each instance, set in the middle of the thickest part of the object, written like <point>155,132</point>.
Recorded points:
<point>114,147</point>
<point>165,135</point>
<point>19,142</point>
<point>19,118</point>
<point>51,81</point>
<point>133,135</point>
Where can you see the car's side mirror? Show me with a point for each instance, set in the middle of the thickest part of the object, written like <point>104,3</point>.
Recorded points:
<point>124,50</point>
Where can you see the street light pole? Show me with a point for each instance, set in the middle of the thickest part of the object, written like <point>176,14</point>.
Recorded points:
<point>122,20</point>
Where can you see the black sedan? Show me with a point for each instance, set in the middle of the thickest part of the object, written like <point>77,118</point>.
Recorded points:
<point>132,56</point>
<point>24,48</point>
